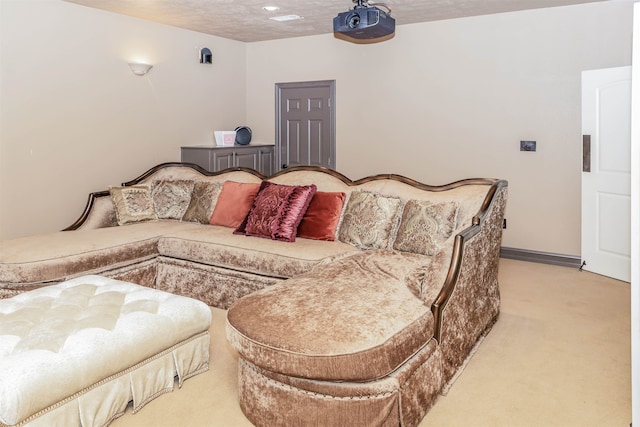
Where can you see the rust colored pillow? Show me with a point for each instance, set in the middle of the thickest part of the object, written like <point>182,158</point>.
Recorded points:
<point>322,217</point>
<point>234,202</point>
<point>277,211</point>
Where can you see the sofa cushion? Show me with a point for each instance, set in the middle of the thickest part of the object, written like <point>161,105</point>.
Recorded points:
<point>277,211</point>
<point>203,199</point>
<point>322,217</point>
<point>425,226</point>
<point>218,246</point>
<point>58,256</point>
<point>171,198</point>
<point>369,220</point>
<point>133,204</point>
<point>234,202</point>
<point>374,325</point>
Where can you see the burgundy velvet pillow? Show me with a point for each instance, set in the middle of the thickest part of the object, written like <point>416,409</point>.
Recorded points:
<point>322,218</point>
<point>277,211</point>
<point>298,203</point>
<point>234,202</point>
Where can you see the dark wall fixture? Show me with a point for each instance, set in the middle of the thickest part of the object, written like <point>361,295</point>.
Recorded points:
<point>206,57</point>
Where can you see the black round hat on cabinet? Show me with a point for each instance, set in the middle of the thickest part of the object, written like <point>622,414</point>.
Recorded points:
<point>243,135</point>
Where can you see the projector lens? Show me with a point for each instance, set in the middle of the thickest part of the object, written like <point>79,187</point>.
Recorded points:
<point>353,20</point>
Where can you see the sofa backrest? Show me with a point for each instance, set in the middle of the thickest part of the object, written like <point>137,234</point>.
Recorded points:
<point>182,171</point>
<point>469,195</point>
<point>100,210</point>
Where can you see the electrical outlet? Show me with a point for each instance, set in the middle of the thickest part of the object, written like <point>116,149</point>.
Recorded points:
<point>504,223</point>
<point>527,146</point>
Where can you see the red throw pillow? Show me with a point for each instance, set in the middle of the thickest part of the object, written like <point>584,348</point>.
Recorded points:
<point>321,219</point>
<point>234,202</point>
<point>277,211</point>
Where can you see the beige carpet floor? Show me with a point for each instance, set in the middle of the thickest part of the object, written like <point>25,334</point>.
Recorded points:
<point>558,356</point>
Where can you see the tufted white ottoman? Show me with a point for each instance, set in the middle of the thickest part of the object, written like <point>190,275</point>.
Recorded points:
<point>76,353</point>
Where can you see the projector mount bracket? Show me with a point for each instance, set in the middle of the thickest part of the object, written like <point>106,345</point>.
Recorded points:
<point>366,3</point>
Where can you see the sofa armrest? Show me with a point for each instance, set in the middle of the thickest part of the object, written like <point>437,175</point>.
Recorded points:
<point>99,212</point>
<point>474,257</point>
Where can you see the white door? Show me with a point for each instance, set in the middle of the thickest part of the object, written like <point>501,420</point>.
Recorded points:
<point>606,176</point>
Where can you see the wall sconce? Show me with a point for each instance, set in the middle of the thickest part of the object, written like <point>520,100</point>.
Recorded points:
<point>206,57</point>
<point>139,69</point>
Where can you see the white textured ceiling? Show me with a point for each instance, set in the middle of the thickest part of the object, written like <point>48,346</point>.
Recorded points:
<point>246,21</point>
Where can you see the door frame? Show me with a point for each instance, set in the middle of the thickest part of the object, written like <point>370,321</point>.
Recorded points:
<point>332,120</point>
<point>635,219</point>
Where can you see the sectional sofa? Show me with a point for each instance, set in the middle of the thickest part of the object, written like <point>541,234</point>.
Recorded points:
<point>350,302</point>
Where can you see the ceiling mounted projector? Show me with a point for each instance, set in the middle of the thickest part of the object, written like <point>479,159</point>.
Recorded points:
<point>365,23</point>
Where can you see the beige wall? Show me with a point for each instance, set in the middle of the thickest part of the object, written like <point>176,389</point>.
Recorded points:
<point>452,99</point>
<point>439,102</point>
<point>74,119</point>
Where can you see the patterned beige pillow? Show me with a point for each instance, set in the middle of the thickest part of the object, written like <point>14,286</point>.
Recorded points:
<point>369,219</point>
<point>171,198</point>
<point>133,204</point>
<point>203,200</point>
<point>425,226</point>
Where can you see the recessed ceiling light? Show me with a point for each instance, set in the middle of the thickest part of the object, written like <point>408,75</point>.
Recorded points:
<point>271,8</point>
<point>284,18</point>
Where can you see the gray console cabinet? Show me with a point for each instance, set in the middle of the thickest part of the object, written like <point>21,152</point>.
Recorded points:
<point>215,158</point>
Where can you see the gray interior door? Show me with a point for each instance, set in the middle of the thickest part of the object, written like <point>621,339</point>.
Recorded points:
<point>305,124</point>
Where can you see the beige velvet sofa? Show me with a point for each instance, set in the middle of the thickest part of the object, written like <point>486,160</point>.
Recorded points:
<point>328,332</point>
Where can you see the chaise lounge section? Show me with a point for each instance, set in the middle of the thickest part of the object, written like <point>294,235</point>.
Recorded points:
<point>362,320</point>
<point>370,339</point>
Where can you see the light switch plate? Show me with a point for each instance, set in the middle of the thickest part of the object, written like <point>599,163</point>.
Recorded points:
<point>527,146</point>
